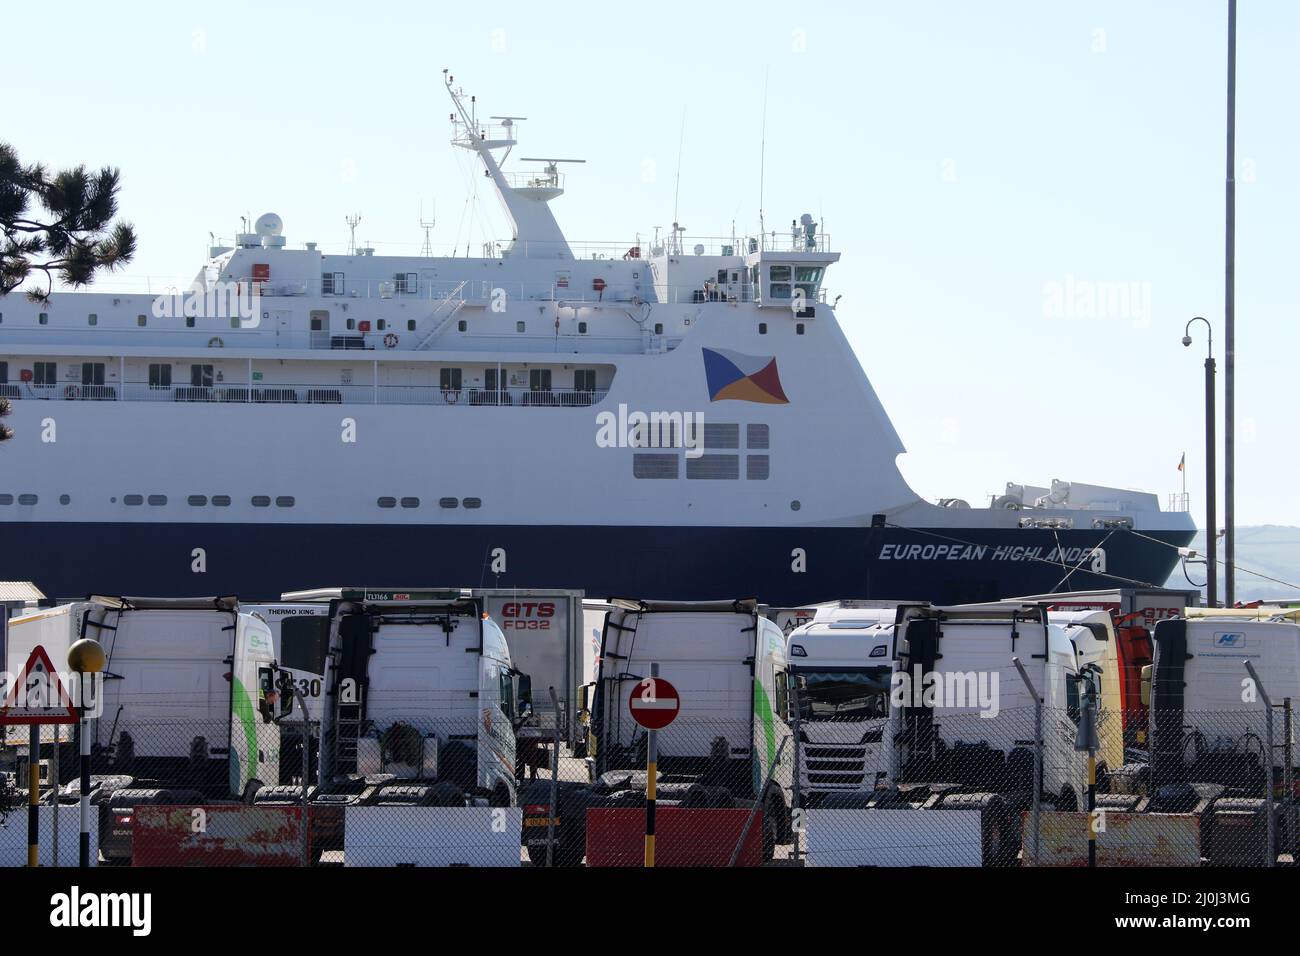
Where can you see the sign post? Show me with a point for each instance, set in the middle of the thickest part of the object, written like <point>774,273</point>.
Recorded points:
<point>37,697</point>
<point>86,658</point>
<point>653,704</point>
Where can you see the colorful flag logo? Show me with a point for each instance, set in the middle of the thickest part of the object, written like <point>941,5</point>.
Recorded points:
<point>745,378</point>
<point>1182,462</point>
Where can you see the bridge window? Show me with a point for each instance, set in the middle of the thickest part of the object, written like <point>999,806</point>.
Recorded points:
<point>331,283</point>
<point>778,282</point>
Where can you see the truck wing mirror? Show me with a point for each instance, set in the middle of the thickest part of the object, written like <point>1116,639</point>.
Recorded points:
<point>1146,685</point>
<point>284,685</point>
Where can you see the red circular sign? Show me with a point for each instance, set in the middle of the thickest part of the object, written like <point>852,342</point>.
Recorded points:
<point>653,703</point>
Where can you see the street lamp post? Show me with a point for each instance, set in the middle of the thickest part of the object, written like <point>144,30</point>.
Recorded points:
<point>1211,532</point>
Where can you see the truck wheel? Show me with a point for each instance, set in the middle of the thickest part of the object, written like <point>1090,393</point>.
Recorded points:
<point>771,833</point>
<point>250,792</point>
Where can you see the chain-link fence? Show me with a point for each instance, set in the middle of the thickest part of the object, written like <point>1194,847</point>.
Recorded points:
<point>831,779</point>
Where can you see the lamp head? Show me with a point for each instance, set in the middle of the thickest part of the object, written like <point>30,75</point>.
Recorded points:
<point>86,656</point>
<point>1187,340</point>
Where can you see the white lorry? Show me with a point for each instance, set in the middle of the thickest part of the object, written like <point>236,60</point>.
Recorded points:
<point>960,733</point>
<point>189,700</point>
<point>729,745</point>
<point>840,668</point>
<point>1208,730</point>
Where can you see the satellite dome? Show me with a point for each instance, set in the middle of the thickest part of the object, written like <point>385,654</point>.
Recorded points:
<point>268,224</point>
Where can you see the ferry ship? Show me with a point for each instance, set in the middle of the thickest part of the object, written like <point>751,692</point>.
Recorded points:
<point>681,419</point>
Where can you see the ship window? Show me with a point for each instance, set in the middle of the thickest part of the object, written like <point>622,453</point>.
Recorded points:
<point>160,375</point>
<point>779,290</point>
<point>45,373</point>
<point>65,499</point>
<point>779,273</point>
<point>142,320</point>
<point>387,502</point>
<point>133,499</point>
<point>490,379</point>
<point>92,319</point>
<point>410,502</point>
<point>654,465</point>
<point>756,467</point>
<point>810,274</point>
<point>383,324</point>
<point>584,379</point>
<point>6,499</point>
<point>762,328</point>
<point>582,328</point>
<point>331,283</point>
<point>722,277</point>
<point>757,436</point>
<point>721,436</point>
<point>447,502</point>
<point>449,379</point>
<point>197,501</point>
<point>284,501</point>
<point>659,328</point>
<point>317,323</point>
<point>27,499</point>
<point>410,325</point>
<point>189,322</point>
<point>4,372</point>
<point>43,319</point>
<point>157,500</point>
<point>539,379</point>
<point>473,502</point>
<point>261,501</point>
<point>798,328</point>
<point>461,326</point>
<point>352,324</point>
<point>221,501</point>
<point>201,376</point>
<point>713,467</point>
<point>406,282</point>
<point>520,326</point>
<point>92,373</point>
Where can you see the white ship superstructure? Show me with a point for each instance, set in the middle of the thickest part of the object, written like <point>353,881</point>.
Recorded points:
<point>681,419</point>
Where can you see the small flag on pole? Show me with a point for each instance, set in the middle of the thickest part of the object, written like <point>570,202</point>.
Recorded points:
<point>1182,462</point>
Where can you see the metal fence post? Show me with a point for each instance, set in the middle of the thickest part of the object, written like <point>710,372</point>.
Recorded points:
<point>749,820</point>
<point>1271,848</point>
<point>1036,794</point>
<point>796,796</point>
<point>1288,778</point>
<point>306,777</point>
<point>555,783</point>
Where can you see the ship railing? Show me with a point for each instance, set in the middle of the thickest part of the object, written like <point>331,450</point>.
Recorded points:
<point>276,393</point>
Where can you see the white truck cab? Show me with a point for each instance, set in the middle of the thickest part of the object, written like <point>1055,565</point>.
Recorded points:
<point>840,665</point>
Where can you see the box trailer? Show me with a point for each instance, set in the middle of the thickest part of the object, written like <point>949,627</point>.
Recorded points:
<point>188,700</point>
<point>728,747</point>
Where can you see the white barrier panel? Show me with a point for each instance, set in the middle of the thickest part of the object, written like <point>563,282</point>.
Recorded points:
<point>13,836</point>
<point>432,836</point>
<point>895,837</point>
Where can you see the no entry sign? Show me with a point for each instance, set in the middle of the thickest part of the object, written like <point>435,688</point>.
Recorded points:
<point>654,703</point>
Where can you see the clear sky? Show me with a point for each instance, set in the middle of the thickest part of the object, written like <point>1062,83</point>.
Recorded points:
<point>986,169</point>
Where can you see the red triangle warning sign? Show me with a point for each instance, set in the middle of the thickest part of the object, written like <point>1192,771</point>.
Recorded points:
<point>38,695</point>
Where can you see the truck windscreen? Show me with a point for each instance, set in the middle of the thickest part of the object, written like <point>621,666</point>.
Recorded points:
<point>843,694</point>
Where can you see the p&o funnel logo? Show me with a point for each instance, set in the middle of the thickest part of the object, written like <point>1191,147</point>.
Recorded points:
<point>744,378</point>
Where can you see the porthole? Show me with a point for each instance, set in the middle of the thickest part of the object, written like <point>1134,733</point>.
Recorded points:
<point>261,501</point>
<point>133,500</point>
<point>221,501</point>
<point>473,502</point>
<point>447,502</point>
<point>410,502</point>
<point>284,501</point>
<point>795,505</point>
<point>462,326</point>
<point>387,502</point>
<point>65,499</point>
<point>157,500</point>
<point>28,499</point>
<point>197,501</point>
<point>6,499</point>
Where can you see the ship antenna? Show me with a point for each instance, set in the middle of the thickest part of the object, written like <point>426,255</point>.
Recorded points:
<point>352,232</point>
<point>677,187</point>
<point>427,249</point>
<point>762,159</point>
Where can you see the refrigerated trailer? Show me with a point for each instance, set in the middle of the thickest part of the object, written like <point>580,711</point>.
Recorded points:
<point>960,732</point>
<point>189,699</point>
<point>730,744</point>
